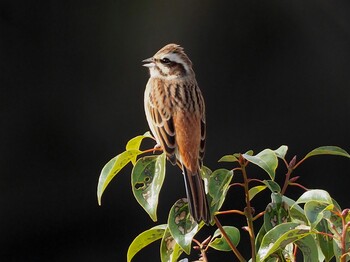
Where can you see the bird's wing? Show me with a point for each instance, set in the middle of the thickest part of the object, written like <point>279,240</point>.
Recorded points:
<point>163,124</point>
<point>203,127</point>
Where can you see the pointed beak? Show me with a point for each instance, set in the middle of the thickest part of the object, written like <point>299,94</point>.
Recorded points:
<point>149,62</point>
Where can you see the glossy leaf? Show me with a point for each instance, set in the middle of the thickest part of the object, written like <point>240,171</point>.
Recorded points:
<point>259,237</point>
<point>325,241</point>
<point>170,251</point>
<point>205,174</point>
<point>144,239</point>
<point>315,195</point>
<point>273,186</point>
<point>134,144</point>
<point>277,212</point>
<point>147,179</point>
<point>328,150</point>
<point>112,168</point>
<point>335,224</point>
<point>315,211</point>
<point>219,182</point>
<point>337,250</point>
<point>181,224</point>
<point>336,205</point>
<point>249,152</point>
<point>336,227</point>
<point>255,190</point>
<point>309,248</point>
<point>220,243</point>
<point>296,213</point>
<point>279,237</point>
<point>281,151</point>
<point>228,158</point>
<point>287,254</point>
<point>266,159</point>
<point>272,259</point>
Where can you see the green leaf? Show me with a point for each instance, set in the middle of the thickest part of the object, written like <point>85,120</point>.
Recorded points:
<point>249,152</point>
<point>228,158</point>
<point>308,247</point>
<point>273,186</point>
<point>325,241</point>
<point>315,211</point>
<point>205,174</point>
<point>220,243</point>
<point>255,190</point>
<point>181,224</point>
<point>296,213</point>
<point>287,253</point>
<point>259,237</point>
<point>335,224</point>
<point>218,186</point>
<point>336,227</point>
<point>279,237</point>
<point>281,151</point>
<point>170,251</point>
<point>147,179</point>
<point>336,205</point>
<point>272,259</point>
<point>337,249</point>
<point>112,168</point>
<point>315,195</point>
<point>144,239</point>
<point>277,212</point>
<point>134,144</point>
<point>266,159</point>
<point>328,150</point>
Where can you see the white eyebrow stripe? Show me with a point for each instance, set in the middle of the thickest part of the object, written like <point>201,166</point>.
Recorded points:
<point>177,59</point>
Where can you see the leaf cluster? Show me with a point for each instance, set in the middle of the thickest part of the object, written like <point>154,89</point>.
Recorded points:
<point>314,223</point>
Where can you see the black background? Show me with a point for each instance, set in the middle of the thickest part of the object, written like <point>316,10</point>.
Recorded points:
<point>272,73</point>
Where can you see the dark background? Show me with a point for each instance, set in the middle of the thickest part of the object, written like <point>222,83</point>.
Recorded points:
<point>272,73</point>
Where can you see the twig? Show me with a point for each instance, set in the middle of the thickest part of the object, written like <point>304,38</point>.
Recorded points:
<point>258,215</point>
<point>298,185</point>
<point>230,212</point>
<point>248,211</point>
<point>200,246</point>
<point>286,181</point>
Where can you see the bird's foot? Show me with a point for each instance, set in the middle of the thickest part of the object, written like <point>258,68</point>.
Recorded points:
<point>156,147</point>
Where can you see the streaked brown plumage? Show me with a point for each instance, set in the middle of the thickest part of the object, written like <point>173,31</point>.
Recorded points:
<point>175,112</point>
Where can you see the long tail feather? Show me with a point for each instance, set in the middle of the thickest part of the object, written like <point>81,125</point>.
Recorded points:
<point>197,200</point>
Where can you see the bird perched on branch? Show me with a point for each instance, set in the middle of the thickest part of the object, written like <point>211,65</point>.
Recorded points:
<point>175,112</point>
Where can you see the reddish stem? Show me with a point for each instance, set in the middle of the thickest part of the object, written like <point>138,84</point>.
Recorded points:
<point>258,215</point>
<point>343,239</point>
<point>255,180</point>
<point>230,212</point>
<point>237,184</point>
<point>298,185</point>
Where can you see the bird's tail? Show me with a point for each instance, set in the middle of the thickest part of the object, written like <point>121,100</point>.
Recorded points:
<point>197,200</point>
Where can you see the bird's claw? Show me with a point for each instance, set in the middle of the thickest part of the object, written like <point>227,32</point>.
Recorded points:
<point>156,147</point>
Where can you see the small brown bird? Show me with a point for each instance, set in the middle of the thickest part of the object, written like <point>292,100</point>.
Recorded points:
<point>175,113</point>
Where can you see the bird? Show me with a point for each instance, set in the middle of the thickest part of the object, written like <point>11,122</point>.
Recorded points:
<point>175,112</point>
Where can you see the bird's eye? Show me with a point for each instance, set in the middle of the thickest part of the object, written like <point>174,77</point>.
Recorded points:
<point>165,60</point>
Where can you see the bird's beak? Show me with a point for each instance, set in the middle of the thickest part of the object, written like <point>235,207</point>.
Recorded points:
<point>149,62</point>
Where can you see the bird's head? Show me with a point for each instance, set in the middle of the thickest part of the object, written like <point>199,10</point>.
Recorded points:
<point>170,62</point>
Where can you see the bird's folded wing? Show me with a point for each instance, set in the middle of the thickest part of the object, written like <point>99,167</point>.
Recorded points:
<point>165,132</point>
